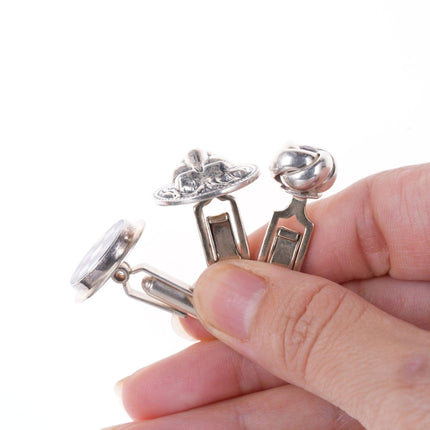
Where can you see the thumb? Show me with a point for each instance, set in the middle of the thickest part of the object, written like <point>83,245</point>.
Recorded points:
<point>322,337</point>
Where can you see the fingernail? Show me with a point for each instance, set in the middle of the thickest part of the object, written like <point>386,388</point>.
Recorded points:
<point>129,426</point>
<point>227,298</point>
<point>118,388</point>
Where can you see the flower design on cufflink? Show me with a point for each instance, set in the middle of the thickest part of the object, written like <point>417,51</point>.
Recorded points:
<point>199,179</point>
<point>105,261</point>
<point>305,172</point>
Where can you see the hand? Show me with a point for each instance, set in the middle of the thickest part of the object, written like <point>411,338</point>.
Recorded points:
<point>329,348</point>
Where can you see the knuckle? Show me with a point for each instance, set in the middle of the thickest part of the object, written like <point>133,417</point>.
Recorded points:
<point>403,402</point>
<point>307,324</point>
<point>240,417</point>
<point>410,391</point>
<point>370,236</point>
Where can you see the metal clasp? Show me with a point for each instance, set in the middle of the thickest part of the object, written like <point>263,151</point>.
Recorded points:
<point>201,177</point>
<point>159,290</point>
<point>285,246</point>
<point>217,234</point>
<point>304,172</point>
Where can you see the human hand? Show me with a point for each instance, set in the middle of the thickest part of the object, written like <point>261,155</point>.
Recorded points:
<point>304,350</point>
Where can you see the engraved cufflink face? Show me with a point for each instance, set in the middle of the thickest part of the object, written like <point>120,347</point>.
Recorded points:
<point>305,172</point>
<point>201,177</point>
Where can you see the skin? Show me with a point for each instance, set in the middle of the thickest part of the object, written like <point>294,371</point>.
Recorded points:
<point>343,345</point>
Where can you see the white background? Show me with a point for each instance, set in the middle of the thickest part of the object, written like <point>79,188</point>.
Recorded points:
<point>100,100</point>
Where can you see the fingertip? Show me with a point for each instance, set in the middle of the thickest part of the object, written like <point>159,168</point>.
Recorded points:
<point>227,298</point>
<point>180,329</point>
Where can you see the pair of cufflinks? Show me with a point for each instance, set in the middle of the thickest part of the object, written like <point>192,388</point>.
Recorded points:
<point>303,171</point>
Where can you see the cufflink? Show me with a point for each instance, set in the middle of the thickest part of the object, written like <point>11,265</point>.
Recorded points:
<point>200,178</point>
<point>105,261</point>
<point>304,172</point>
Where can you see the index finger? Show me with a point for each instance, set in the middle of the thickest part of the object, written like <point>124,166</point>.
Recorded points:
<point>378,226</point>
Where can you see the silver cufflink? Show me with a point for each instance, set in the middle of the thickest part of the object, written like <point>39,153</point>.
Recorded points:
<point>304,172</point>
<point>199,179</point>
<point>105,261</point>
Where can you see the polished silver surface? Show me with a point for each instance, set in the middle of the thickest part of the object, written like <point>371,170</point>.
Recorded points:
<point>200,178</point>
<point>285,246</point>
<point>169,291</point>
<point>304,172</point>
<point>203,176</point>
<point>105,261</point>
<point>217,234</point>
<point>156,289</point>
<point>104,257</point>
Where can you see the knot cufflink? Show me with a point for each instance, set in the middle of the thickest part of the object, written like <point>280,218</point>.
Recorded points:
<point>304,172</point>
